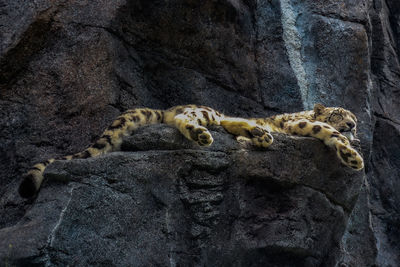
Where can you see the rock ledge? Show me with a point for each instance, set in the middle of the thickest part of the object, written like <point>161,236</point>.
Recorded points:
<point>165,201</point>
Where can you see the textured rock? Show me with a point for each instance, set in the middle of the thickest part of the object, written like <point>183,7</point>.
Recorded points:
<point>165,205</point>
<point>67,68</point>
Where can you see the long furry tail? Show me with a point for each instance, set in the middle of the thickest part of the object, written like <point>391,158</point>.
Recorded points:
<point>110,140</point>
<point>33,179</point>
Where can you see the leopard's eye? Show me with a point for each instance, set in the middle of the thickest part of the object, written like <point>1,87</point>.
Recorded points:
<point>335,117</point>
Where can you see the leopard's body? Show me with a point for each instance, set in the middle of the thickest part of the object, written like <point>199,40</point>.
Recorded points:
<point>327,124</point>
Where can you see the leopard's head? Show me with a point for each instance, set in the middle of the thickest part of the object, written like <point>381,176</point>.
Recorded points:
<point>341,119</point>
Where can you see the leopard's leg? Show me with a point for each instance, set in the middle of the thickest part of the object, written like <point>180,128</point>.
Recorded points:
<point>331,137</point>
<point>110,140</point>
<point>246,129</point>
<point>192,123</point>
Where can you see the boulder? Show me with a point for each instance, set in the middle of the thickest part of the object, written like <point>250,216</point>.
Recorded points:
<point>166,201</point>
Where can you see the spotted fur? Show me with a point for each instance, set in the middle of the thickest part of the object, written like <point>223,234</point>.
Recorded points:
<point>331,125</point>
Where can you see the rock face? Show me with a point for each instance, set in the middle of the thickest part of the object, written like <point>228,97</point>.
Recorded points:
<point>173,203</point>
<point>67,68</point>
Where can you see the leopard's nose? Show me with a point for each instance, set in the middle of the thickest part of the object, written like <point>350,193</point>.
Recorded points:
<point>350,124</point>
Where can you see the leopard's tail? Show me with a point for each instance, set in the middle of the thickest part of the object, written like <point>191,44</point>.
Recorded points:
<point>109,141</point>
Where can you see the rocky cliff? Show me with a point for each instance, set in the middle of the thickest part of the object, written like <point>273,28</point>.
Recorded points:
<point>172,203</point>
<point>67,68</point>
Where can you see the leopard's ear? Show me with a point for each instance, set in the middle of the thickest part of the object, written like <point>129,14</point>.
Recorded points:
<point>318,109</point>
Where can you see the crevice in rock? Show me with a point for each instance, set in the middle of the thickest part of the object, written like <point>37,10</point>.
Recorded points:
<point>59,221</point>
<point>382,116</point>
<point>34,39</point>
<point>341,18</point>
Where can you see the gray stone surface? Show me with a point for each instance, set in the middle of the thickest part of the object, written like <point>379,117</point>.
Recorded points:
<point>173,203</point>
<point>67,68</point>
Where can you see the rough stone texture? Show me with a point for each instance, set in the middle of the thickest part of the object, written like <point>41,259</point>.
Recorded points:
<point>173,203</point>
<point>67,68</point>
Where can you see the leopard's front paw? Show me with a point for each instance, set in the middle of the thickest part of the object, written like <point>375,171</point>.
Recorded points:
<point>350,157</point>
<point>355,142</point>
<point>200,135</point>
<point>260,137</point>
